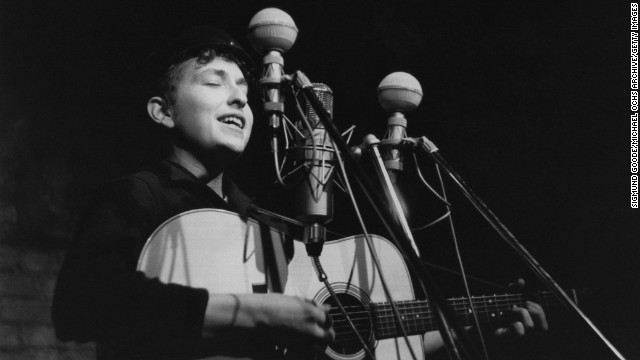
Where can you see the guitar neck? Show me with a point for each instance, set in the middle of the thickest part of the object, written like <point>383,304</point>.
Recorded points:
<point>418,316</point>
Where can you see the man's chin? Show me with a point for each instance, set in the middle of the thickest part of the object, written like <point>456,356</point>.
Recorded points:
<point>231,151</point>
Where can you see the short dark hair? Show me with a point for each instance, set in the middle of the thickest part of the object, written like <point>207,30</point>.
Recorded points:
<point>162,68</point>
<point>166,83</point>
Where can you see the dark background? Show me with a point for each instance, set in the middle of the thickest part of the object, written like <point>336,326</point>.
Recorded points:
<point>528,101</point>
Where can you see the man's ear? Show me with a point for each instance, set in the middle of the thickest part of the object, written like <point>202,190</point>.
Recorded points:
<point>159,111</point>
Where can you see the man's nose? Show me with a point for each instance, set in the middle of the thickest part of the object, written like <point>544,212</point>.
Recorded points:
<point>237,96</point>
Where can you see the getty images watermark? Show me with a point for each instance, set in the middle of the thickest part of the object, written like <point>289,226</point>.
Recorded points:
<point>634,106</point>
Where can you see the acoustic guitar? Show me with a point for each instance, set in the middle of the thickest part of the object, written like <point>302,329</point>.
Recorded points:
<point>224,253</point>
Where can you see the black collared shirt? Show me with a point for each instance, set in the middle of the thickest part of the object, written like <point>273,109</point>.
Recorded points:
<point>101,297</point>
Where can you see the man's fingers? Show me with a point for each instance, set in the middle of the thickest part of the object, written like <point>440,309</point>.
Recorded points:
<point>328,321</point>
<point>523,316</point>
<point>322,336</point>
<point>317,313</point>
<point>523,319</point>
<point>537,315</point>
<point>516,328</point>
<point>322,328</point>
<point>518,284</point>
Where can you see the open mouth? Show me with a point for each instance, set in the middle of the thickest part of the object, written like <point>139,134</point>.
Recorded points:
<point>232,120</point>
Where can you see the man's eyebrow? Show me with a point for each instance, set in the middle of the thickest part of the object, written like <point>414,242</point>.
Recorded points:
<point>224,74</point>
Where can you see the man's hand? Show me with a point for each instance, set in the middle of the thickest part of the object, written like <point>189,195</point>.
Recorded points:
<point>525,319</point>
<point>296,323</point>
<point>293,318</point>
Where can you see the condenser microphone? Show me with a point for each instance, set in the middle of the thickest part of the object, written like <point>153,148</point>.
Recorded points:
<point>314,192</point>
<point>272,32</point>
<point>398,93</point>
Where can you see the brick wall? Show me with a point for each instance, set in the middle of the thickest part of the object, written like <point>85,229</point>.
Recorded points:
<point>36,218</point>
<point>27,281</point>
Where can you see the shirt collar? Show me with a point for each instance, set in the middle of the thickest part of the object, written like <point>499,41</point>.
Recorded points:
<point>237,200</point>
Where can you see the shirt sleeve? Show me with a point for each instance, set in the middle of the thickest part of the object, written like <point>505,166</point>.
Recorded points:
<point>101,297</point>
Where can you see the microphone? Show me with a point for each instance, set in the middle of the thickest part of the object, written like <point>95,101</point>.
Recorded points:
<point>314,193</point>
<point>398,93</point>
<point>271,33</point>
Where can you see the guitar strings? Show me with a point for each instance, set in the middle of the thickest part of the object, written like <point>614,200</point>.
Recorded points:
<point>497,300</point>
<point>412,319</point>
<point>385,325</point>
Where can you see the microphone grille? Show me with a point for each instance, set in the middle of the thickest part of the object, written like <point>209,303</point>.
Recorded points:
<point>325,95</point>
<point>400,92</point>
<point>272,29</point>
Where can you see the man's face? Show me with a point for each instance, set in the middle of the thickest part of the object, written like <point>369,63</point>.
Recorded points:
<point>210,110</point>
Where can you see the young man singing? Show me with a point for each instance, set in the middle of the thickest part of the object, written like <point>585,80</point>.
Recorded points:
<point>201,99</point>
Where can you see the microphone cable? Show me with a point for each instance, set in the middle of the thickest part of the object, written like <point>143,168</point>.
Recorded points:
<point>461,265</point>
<point>441,218</point>
<point>434,192</point>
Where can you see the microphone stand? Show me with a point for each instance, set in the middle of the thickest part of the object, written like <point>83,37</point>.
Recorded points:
<point>373,143</point>
<point>430,148</point>
<point>445,316</point>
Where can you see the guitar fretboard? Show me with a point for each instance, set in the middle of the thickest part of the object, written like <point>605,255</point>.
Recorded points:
<point>418,316</point>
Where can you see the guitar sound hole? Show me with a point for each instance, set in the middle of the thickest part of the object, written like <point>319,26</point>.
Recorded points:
<point>346,342</point>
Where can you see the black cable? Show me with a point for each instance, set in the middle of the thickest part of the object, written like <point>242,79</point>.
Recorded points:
<point>460,263</point>
<point>322,276</point>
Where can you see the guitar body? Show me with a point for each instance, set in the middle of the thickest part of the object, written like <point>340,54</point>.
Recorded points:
<point>219,251</point>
